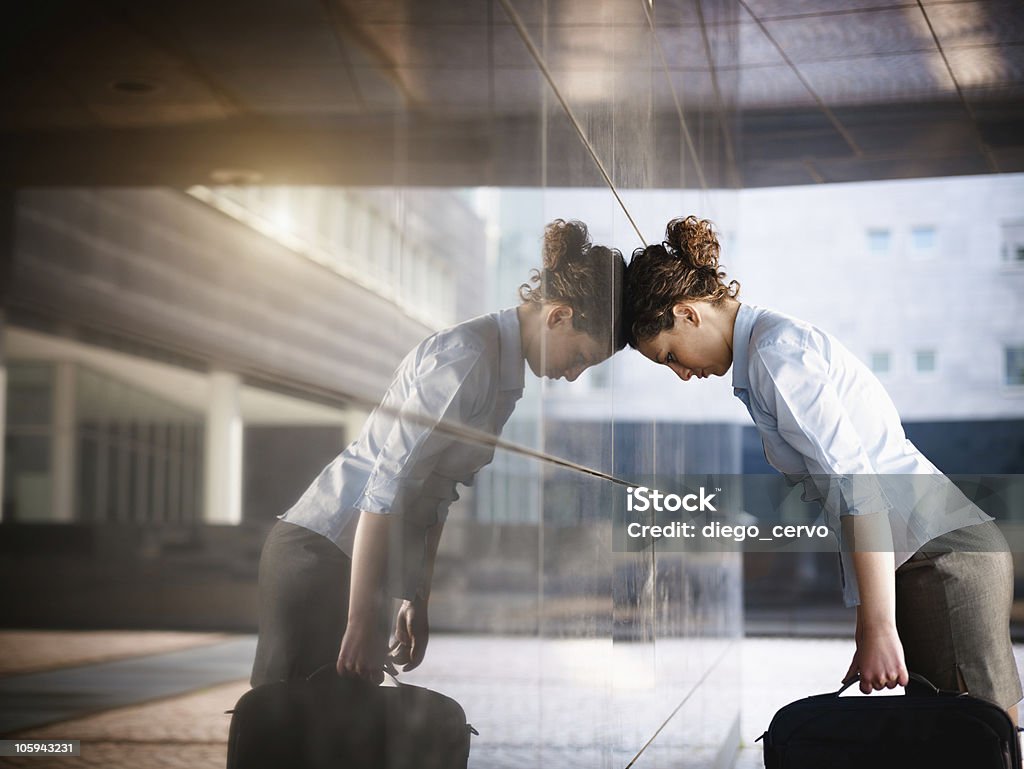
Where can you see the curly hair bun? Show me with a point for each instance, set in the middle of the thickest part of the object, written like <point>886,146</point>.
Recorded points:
<point>583,276</point>
<point>683,268</point>
<point>564,242</point>
<point>694,240</point>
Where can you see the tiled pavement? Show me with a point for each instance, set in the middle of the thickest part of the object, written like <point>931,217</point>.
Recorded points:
<point>58,695</point>
<point>586,688</point>
<point>185,731</point>
<point>565,703</point>
<point>30,651</point>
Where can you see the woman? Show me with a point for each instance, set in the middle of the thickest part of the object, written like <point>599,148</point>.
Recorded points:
<point>826,421</point>
<point>368,526</point>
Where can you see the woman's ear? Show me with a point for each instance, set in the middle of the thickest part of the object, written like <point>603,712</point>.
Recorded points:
<point>686,312</point>
<point>558,315</point>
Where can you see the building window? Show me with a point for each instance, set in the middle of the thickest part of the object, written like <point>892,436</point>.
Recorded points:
<point>923,239</point>
<point>1013,242</point>
<point>880,362</point>
<point>878,241</point>
<point>924,361</point>
<point>28,471</point>
<point>1015,366</point>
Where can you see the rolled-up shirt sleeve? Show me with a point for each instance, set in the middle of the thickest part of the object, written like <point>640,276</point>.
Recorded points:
<point>812,419</point>
<point>445,389</point>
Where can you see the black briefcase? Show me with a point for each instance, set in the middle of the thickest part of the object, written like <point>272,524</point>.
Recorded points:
<point>927,728</point>
<point>345,723</point>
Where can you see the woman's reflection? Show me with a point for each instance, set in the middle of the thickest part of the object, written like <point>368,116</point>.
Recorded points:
<point>368,526</point>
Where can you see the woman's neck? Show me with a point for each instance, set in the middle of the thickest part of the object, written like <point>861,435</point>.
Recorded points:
<point>730,309</point>
<point>529,324</point>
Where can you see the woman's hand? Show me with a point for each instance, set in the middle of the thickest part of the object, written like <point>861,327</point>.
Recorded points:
<point>412,631</point>
<point>362,653</point>
<point>878,659</point>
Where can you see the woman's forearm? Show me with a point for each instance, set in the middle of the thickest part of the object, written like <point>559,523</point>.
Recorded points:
<point>433,540</point>
<point>876,577</point>
<point>369,558</point>
<point>869,538</point>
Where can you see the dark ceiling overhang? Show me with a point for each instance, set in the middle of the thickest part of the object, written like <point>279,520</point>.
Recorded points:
<point>687,93</point>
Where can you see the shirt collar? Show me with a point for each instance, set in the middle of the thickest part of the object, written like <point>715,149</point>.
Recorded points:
<point>741,331</point>
<point>511,363</point>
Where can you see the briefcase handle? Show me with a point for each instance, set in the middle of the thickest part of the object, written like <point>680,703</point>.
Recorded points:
<point>320,671</point>
<point>917,685</point>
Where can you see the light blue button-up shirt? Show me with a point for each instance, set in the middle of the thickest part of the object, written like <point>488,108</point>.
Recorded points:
<point>826,422</point>
<point>468,375</point>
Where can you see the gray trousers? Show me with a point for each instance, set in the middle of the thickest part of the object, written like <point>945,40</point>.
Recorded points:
<point>303,604</point>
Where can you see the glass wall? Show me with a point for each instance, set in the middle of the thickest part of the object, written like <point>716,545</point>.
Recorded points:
<point>581,656</point>
<point>605,656</point>
<point>339,206</point>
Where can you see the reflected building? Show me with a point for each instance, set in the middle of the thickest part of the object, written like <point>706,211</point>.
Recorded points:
<point>126,411</point>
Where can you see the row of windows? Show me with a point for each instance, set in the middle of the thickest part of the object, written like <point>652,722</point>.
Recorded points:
<point>926,362</point>
<point>136,457</point>
<point>924,241</point>
<point>880,361</point>
<point>356,233</point>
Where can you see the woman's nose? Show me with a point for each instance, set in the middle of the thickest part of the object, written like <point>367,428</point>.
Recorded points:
<point>683,373</point>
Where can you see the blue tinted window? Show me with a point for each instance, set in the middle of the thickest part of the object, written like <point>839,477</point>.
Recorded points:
<point>924,361</point>
<point>878,241</point>
<point>1015,366</point>
<point>923,238</point>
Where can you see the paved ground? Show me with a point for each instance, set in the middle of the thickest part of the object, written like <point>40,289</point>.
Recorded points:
<point>554,703</point>
<point>59,695</point>
<point>29,651</point>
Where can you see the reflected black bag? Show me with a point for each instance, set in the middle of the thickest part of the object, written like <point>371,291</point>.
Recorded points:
<point>926,728</point>
<point>345,723</point>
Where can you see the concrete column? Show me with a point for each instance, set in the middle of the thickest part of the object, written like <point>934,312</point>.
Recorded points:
<point>223,460</point>
<point>63,457</point>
